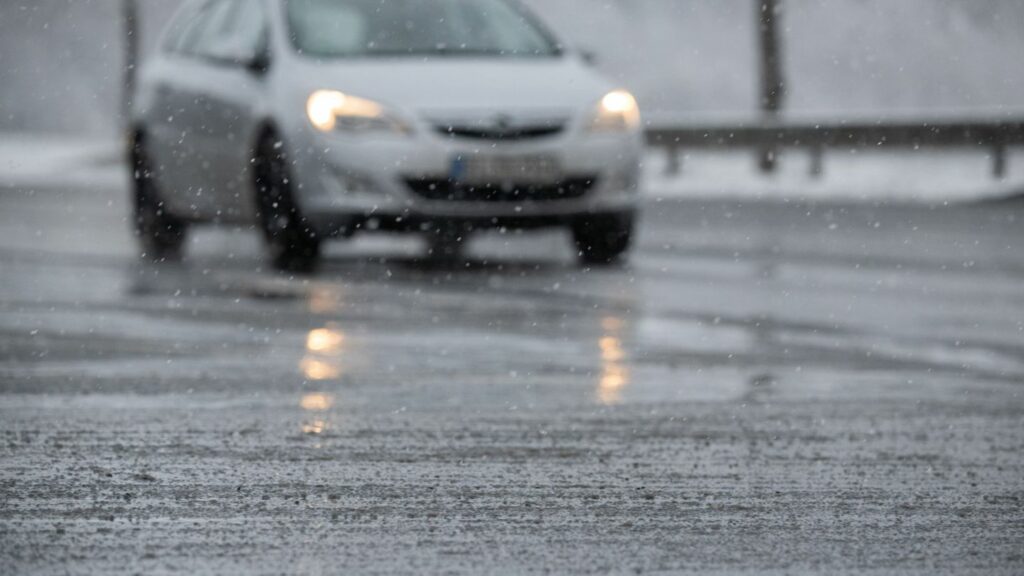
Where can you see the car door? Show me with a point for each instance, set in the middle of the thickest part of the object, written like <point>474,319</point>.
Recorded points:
<point>174,123</point>
<point>230,104</point>
<point>208,100</point>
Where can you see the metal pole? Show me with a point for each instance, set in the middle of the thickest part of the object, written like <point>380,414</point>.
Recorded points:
<point>129,19</point>
<point>772,80</point>
<point>817,161</point>
<point>999,161</point>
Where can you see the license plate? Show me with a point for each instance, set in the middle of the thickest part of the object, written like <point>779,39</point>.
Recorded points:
<point>493,169</point>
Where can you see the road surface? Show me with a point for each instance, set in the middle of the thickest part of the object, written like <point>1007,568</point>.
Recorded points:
<point>764,388</point>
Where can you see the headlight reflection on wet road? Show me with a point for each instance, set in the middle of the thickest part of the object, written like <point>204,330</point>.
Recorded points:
<point>317,402</point>
<point>323,360</point>
<point>614,372</point>
<point>316,405</point>
<point>325,299</point>
<point>325,340</point>
<point>324,351</point>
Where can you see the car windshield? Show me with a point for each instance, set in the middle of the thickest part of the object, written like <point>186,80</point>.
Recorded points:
<point>366,28</point>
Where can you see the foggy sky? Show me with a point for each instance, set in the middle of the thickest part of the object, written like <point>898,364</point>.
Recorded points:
<point>60,60</point>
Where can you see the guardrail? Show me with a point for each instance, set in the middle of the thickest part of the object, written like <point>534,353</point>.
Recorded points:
<point>996,135</point>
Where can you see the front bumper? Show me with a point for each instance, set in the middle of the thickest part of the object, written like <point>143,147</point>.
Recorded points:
<point>345,183</point>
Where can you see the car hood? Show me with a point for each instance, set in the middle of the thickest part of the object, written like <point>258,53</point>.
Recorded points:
<point>440,87</point>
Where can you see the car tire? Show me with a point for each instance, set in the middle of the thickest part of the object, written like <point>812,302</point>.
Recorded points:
<point>292,244</point>
<point>603,239</point>
<point>161,235</point>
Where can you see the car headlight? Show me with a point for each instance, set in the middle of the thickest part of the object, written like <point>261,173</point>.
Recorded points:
<point>616,112</point>
<point>330,110</point>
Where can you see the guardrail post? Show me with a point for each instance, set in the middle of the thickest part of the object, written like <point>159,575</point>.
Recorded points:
<point>999,161</point>
<point>673,161</point>
<point>817,161</point>
<point>767,160</point>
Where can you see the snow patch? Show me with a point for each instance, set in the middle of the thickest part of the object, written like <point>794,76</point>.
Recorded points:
<point>868,176</point>
<point>33,160</point>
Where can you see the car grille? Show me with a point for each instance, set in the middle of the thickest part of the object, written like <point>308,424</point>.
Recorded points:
<point>442,189</point>
<point>511,133</point>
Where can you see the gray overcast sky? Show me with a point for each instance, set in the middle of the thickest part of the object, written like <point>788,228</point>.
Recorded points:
<point>60,59</point>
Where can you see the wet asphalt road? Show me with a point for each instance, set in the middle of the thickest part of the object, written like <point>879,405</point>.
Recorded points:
<point>764,388</point>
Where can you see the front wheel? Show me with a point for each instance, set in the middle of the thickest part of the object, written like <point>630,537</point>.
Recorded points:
<point>291,242</point>
<point>603,239</point>
<point>161,235</point>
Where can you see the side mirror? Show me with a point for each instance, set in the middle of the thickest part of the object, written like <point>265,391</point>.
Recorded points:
<point>259,63</point>
<point>231,54</point>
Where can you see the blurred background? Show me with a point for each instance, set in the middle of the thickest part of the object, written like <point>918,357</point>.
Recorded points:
<point>61,60</point>
<point>692,63</point>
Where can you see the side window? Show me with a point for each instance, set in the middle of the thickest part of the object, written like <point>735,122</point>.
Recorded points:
<point>250,26</point>
<point>232,30</point>
<point>185,27</point>
<point>213,35</point>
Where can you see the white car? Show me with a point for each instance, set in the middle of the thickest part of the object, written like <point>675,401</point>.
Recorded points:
<point>318,119</point>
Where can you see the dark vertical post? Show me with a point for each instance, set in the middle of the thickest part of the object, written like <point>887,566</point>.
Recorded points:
<point>674,165</point>
<point>999,161</point>
<point>130,22</point>
<point>772,81</point>
<point>817,161</point>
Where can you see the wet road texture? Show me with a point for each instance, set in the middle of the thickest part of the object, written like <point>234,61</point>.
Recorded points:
<point>763,388</point>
